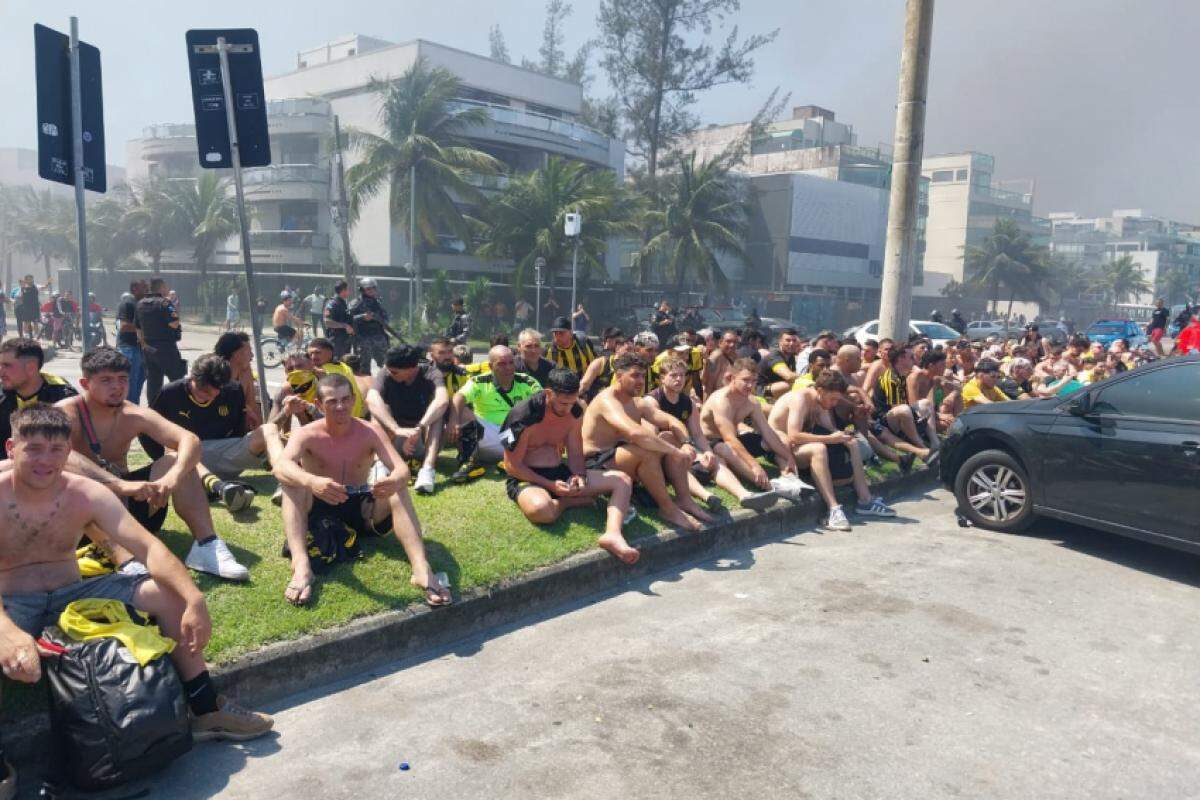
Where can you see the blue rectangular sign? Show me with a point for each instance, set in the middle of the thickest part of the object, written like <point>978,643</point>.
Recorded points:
<point>208,98</point>
<point>56,145</point>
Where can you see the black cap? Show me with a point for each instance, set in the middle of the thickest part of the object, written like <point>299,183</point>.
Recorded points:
<point>560,324</point>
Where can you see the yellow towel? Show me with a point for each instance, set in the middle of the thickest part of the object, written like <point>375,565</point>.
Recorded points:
<point>96,618</point>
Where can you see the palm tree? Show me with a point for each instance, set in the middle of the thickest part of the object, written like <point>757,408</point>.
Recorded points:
<point>43,226</point>
<point>1065,279</point>
<point>152,220</point>
<point>1121,280</point>
<point>422,158</point>
<point>698,215</point>
<point>525,221</point>
<point>111,239</point>
<point>1175,285</point>
<point>1006,258</point>
<point>205,210</point>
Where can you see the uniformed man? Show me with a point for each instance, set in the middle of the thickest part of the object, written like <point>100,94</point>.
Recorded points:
<point>460,325</point>
<point>24,383</point>
<point>161,332</point>
<point>480,407</point>
<point>339,326</point>
<point>369,318</point>
<point>569,350</point>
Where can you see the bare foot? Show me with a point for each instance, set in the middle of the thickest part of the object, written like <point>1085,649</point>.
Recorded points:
<point>435,593</point>
<point>299,589</point>
<point>615,543</point>
<point>694,510</point>
<point>680,520</point>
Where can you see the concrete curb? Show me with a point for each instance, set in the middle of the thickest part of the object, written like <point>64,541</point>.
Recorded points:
<point>285,668</point>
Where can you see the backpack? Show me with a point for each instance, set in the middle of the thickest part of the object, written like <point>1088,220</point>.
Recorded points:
<point>115,721</point>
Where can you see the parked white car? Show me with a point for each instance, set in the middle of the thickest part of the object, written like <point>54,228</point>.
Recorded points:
<point>981,329</point>
<point>939,334</point>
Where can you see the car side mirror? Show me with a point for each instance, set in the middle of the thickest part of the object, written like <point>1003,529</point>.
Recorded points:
<point>1082,405</point>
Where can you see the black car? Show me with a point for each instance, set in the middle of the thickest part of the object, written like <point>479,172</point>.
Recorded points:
<point>1122,455</point>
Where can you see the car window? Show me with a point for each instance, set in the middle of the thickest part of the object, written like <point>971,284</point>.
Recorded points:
<point>1172,393</point>
<point>873,328</point>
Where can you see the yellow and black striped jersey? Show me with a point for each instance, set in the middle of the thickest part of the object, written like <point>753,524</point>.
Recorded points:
<point>575,358</point>
<point>890,391</point>
<point>694,358</point>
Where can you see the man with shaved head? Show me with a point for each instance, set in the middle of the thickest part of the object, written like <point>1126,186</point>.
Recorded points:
<point>480,407</point>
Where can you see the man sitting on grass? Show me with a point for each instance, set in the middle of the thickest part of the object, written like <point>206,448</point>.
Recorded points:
<point>804,418</point>
<point>615,435</point>
<point>46,514</point>
<point>536,433</point>
<point>324,470</point>
<point>208,404</point>
<point>685,433</point>
<point>721,420</point>
<point>480,407</point>
<point>22,381</point>
<point>409,399</point>
<point>104,425</point>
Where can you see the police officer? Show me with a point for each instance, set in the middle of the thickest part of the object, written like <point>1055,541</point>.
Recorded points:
<point>339,326</point>
<point>369,318</point>
<point>161,332</point>
<point>460,325</point>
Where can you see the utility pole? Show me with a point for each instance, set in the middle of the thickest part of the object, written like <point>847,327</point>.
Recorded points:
<point>80,212</point>
<point>412,231</point>
<point>895,302</point>
<point>539,264</point>
<point>342,217</point>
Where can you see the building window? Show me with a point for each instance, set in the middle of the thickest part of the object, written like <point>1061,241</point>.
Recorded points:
<point>942,175</point>
<point>960,175</point>
<point>351,52</point>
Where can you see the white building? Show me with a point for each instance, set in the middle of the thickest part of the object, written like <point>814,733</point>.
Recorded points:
<point>533,116</point>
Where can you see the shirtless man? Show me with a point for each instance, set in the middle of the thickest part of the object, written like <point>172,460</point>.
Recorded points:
<point>857,408</point>
<point>535,434</point>
<point>720,362</point>
<point>726,410</point>
<point>104,424</point>
<point>687,434</point>
<point>805,419</point>
<point>324,471</point>
<point>620,429</point>
<point>47,513</point>
<point>285,322</point>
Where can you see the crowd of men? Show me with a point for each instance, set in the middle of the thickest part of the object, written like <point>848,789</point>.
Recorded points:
<point>635,421</point>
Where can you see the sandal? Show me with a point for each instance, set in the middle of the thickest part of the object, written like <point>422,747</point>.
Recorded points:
<point>436,593</point>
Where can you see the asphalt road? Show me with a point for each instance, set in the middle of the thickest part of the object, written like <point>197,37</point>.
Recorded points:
<point>907,659</point>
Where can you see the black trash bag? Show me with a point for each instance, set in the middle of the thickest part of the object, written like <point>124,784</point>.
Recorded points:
<point>115,720</point>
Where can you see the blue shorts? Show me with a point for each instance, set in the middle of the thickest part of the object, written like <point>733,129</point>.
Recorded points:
<point>34,611</point>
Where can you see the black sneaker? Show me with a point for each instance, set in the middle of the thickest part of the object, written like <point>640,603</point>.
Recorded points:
<point>906,462</point>
<point>468,472</point>
<point>236,496</point>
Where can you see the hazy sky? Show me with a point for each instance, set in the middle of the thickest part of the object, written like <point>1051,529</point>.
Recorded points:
<point>1094,99</point>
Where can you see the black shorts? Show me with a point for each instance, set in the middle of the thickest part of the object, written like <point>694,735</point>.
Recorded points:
<point>285,332</point>
<point>601,459</point>
<point>920,426</point>
<point>334,532</point>
<point>751,440</point>
<point>140,509</point>
<point>355,514</point>
<point>559,473</point>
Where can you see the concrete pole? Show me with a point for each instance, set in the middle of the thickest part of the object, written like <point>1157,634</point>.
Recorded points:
<point>80,204</point>
<point>895,303</point>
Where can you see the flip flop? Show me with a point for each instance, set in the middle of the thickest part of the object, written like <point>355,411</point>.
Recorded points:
<point>434,597</point>
<point>303,593</point>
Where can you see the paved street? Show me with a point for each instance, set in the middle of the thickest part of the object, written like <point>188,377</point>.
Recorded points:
<point>906,659</point>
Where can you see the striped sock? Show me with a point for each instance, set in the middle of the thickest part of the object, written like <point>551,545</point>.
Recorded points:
<point>212,486</point>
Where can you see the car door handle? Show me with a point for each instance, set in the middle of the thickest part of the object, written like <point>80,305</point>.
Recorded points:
<point>1190,449</point>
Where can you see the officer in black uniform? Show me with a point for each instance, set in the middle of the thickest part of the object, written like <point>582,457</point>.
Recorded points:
<point>161,332</point>
<point>339,326</point>
<point>369,317</point>
<point>460,325</point>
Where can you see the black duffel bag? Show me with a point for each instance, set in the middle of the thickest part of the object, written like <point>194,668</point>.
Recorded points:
<point>115,720</point>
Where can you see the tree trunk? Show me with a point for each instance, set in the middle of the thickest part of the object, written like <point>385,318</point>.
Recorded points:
<point>659,80</point>
<point>1008,315</point>
<point>156,263</point>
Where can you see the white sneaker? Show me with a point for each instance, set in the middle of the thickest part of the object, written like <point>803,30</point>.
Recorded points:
<point>216,559</point>
<point>133,568</point>
<point>837,519</point>
<point>425,476</point>
<point>790,486</point>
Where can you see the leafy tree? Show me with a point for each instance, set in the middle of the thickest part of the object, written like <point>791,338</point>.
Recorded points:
<point>207,213</point>
<point>1121,280</point>
<point>698,214</point>
<point>152,220</point>
<point>438,297</point>
<point>657,56</point>
<point>525,221</point>
<point>423,143</point>
<point>1005,259</point>
<point>1065,279</point>
<point>1175,285</point>
<point>43,225</point>
<point>477,298</point>
<point>497,45</point>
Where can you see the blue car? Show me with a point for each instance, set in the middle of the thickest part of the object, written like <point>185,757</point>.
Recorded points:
<point>1107,331</point>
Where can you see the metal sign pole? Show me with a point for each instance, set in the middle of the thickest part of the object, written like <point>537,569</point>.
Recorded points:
<point>80,210</point>
<point>537,314</point>
<point>255,322</point>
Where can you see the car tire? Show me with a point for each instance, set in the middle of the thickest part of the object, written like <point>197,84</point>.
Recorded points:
<point>992,489</point>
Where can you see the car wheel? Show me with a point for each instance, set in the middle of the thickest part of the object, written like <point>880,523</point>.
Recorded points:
<point>993,491</point>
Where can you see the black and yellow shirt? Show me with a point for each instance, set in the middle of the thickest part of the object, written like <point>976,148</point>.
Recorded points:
<point>889,392</point>
<point>457,375</point>
<point>681,409</point>
<point>52,390</point>
<point>771,368</point>
<point>575,358</point>
<point>694,358</point>
<point>223,417</point>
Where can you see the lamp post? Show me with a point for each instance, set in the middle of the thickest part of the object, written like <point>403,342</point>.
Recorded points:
<point>572,227</point>
<point>538,264</point>
<point>408,267</point>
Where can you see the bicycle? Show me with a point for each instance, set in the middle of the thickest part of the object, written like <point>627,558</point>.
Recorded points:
<point>273,351</point>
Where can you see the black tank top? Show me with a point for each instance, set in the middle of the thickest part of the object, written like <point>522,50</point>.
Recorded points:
<point>680,410</point>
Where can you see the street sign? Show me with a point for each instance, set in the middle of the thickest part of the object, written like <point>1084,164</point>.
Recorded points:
<point>56,155</point>
<point>208,99</point>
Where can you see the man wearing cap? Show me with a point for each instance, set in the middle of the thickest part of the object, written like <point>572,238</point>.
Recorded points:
<point>982,388</point>
<point>369,318</point>
<point>568,350</point>
<point>339,326</point>
<point>409,399</point>
<point>460,325</point>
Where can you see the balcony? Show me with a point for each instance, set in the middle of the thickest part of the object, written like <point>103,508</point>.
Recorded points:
<point>274,240</point>
<point>495,183</point>
<point>169,131</point>
<point>287,182</point>
<point>528,128</point>
<point>286,173</point>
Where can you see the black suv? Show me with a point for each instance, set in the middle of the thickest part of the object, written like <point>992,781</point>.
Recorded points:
<point>1122,455</point>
